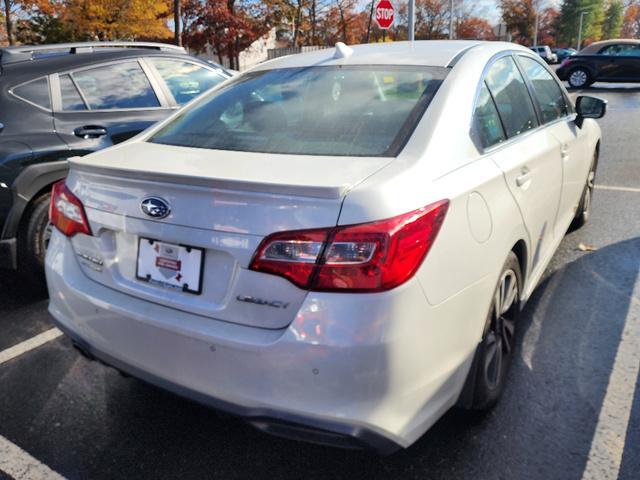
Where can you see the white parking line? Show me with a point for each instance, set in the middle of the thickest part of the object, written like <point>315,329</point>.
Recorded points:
<point>21,466</point>
<point>23,347</point>
<point>617,189</point>
<point>607,445</point>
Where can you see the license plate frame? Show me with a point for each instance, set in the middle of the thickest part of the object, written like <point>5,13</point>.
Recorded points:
<point>159,273</point>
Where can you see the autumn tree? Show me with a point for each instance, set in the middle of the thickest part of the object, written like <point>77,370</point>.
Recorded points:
<point>470,23</point>
<point>118,19</point>
<point>613,17</point>
<point>343,22</point>
<point>10,9</point>
<point>520,17</point>
<point>547,21</point>
<point>228,26</point>
<point>569,21</point>
<point>474,28</point>
<point>631,21</point>
<point>41,21</point>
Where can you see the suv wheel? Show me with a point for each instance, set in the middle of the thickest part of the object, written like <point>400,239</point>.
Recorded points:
<point>579,78</point>
<point>34,240</point>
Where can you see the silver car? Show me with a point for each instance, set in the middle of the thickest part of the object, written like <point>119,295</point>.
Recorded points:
<point>336,245</point>
<point>545,53</point>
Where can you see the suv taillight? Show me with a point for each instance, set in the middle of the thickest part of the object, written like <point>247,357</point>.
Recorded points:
<point>565,62</point>
<point>367,257</point>
<point>66,212</point>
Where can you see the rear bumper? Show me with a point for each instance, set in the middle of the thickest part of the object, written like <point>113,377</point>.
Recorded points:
<point>275,422</point>
<point>8,253</point>
<point>377,370</point>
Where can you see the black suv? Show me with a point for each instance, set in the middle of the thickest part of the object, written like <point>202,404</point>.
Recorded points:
<point>607,61</point>
<point>59,101</point>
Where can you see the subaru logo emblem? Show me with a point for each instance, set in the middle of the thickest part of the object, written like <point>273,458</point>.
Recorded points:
<point>155,207</point>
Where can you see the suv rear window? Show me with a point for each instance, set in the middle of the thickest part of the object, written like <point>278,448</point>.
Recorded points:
<point>350,111</point>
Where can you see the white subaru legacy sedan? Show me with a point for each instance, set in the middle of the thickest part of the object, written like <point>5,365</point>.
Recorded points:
<point>335,246</point>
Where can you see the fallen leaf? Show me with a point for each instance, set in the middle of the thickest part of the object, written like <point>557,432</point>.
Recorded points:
<point>586,248</point>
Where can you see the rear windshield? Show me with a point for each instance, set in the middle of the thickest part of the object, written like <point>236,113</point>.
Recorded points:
<point>348,110</point>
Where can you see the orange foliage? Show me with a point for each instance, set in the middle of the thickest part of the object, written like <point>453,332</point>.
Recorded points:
<point>631,22</point>
<point>474,28</point>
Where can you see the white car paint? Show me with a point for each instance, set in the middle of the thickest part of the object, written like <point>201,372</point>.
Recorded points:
<point>380,366</point>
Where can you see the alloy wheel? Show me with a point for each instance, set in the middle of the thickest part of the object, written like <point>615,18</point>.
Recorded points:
<point>578,78</point>
<point>499,339</point>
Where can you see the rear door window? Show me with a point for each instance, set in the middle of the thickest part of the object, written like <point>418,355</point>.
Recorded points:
<point>116,86</point>
<point>35,91</point>
<point>621,50</point>
<point>553,104</point>
<point>186,80</point>
<point>511,97</point>
<point>487,122</point>
<point>344,110</point>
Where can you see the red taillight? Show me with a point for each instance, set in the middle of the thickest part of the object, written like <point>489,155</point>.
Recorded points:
<point>66,212</point>
<point>565,62</point>
<point>356,258</point>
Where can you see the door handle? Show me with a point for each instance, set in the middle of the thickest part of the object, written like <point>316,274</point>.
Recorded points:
<point>90,131</point>
<point>524,177</point>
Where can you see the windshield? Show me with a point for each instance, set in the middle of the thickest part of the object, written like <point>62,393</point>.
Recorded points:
<point>349,110</point>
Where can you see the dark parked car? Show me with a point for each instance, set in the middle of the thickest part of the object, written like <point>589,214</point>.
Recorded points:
<point>60,101</point>
<point>608,61</point>
<point>563,53</point>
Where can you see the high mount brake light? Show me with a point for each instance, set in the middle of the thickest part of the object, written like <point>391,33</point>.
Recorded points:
<point>66,211</point>
<point>367,257</point>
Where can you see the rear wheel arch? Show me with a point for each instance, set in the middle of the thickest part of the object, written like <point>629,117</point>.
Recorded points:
<point>520,251</point>
<point>31,184</point>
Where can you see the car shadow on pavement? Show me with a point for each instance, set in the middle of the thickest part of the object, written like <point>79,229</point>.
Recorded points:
<point>22,309</point>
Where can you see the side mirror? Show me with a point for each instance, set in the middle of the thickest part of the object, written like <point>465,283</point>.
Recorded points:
<point>589,107</point>
<point>1,127</point>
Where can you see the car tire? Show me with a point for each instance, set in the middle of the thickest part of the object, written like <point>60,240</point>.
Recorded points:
<point>494,354</point>
<point>33,240</point>
<point>579,78</point>
<point>584,207</point>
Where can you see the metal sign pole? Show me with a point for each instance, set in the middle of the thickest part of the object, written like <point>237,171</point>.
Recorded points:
<point>412,18</point>
<point>450,19</point>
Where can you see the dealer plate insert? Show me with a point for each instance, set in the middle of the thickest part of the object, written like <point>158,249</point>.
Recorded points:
<point>170,265</point>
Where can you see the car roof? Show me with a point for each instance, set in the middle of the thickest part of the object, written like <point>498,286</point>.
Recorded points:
<point>436,53</point>
<point>595,47</point>
<point>61,63</point>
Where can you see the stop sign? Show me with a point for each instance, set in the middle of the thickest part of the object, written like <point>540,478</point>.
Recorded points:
<point>384,14</point>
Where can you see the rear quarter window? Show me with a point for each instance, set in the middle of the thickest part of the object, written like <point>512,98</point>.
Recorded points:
<point>35,92</point>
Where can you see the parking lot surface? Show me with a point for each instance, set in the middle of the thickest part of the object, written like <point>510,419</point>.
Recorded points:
<point>571,409</point>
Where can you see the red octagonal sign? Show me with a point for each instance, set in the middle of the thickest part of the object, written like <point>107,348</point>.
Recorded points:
<point>384,14</point>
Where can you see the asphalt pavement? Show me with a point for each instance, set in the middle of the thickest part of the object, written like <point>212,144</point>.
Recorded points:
<point>571,409</point>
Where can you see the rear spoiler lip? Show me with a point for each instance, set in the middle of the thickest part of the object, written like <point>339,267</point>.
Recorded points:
<point>325,192</point>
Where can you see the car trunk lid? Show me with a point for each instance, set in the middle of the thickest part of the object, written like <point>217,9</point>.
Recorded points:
<point>224,203</point>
